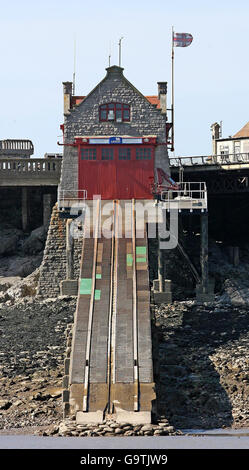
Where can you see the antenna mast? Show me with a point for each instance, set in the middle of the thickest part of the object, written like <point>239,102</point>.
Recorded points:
<point>110,54</point>
<point>74,67</point>
<point>172,93</point>
<point>120,50</point>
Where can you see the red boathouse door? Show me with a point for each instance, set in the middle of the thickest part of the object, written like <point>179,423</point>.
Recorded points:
<point>116,171</point>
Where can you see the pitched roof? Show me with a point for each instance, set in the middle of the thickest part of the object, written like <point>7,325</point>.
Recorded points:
<point>75,100</point>
<point>154,100</point>
<point>244,132</point>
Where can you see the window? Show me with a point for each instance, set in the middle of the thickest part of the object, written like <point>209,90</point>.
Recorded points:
<point>124,153</point>
<point>106,154</point>
<point>88,154</point>
<point>143,154</point>
<point>118,112</point>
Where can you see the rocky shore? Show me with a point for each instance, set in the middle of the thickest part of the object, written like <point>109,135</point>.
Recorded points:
<point>201,371</point>
<point>203,365</point>
<point>200,352</point>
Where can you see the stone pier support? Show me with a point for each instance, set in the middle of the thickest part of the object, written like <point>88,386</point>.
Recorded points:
<point>161,269</point>
<point>233,252</point>
<point>204,252</point>
<point>69,250</point>
<point>25,208</point>
<point>162,286</point>
<point>204,291</point>
<point>70,285</point>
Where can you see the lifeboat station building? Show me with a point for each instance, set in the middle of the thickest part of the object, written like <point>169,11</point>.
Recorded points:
<point>114,139</point>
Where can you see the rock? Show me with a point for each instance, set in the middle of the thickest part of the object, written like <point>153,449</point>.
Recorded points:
<point>5,404</point>
<point>170,429</point>
<point>21,287</point>
<point>146,427</point>
<point>35,242</point>
<point>8,240</point>
<point>108,429</point>
<point>17,403</point>
<point>62,428</point>
<point>119,431</point>
<point>7,282</point>
<point>23,265</point>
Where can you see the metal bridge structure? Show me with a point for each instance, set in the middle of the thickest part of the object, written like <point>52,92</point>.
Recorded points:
<point>223,174</point>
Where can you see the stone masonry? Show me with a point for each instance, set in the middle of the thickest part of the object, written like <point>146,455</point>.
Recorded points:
<point>53,268</point>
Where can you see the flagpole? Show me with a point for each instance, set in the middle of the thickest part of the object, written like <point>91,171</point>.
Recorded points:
<point>172,92</point>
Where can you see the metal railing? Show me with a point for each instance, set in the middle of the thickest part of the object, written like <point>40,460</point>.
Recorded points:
<point>190,196</point>
<point>222,159</point>
<point>68,198</point>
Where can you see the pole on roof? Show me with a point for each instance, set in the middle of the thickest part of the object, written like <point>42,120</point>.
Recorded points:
<point>172,91</point>
<point>74,67</point>
<point>120,51</point>
<point>110,54</point>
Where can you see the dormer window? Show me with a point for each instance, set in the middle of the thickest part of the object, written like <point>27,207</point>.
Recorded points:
<point>118,112</point>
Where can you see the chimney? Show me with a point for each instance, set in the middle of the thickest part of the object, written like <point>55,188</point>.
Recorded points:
<point>215,128</point>
<point>67,91</point>
<point>162,94</point>
<point>114,71</point>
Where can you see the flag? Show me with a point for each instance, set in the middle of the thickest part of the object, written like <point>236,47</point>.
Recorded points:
<point>182,39</point>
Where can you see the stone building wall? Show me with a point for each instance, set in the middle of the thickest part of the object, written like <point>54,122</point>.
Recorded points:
<point>82,120</point>
<point>53,269</point>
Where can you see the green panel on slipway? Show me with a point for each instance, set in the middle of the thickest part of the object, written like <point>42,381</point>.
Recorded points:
<point>86,286</point>
<point>141,250</point>
<point>129,260</point>
<point>141,254</point>
<point>97,294</point>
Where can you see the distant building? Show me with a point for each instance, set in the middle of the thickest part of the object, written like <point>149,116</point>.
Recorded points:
<point>234,147</point>
<point>52,155</point>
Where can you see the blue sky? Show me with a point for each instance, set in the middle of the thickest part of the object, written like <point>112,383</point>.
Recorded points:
<point>37,55</point>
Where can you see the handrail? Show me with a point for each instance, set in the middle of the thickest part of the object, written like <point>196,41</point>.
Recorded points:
<point>191,195</point>
<point>199,160</point>
<point>68,197</point>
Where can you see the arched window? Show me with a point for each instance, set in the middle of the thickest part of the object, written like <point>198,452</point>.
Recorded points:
<point>118,112</point>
